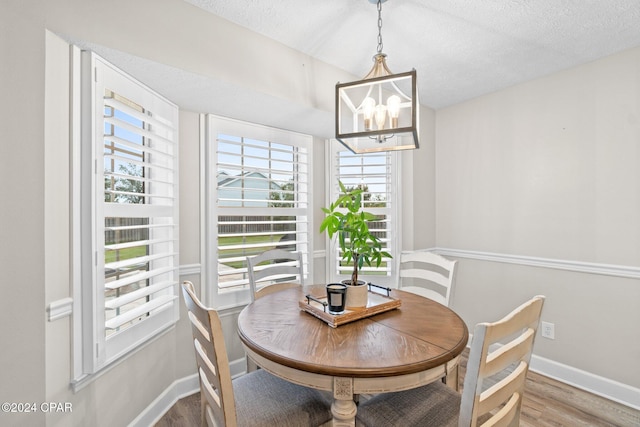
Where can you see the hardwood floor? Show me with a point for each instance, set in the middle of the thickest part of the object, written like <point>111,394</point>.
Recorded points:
<point>547,403</point>
<point>186,412</point>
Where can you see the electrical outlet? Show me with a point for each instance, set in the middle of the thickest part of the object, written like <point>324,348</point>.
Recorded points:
<point>548,330</point>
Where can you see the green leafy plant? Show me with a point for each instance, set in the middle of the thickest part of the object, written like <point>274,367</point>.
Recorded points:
<point>346,218</point>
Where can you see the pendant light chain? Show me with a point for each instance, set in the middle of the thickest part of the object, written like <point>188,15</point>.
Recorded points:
<point>379,26</point>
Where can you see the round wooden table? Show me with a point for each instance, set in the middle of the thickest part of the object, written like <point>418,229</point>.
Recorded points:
<point>407,347</point>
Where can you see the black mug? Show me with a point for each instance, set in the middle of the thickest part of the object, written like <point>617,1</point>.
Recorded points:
<point>336,297</point>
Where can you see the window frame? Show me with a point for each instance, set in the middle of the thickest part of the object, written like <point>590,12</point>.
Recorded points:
<point>213,125</point>
<point>93,350</point>
<point>393,211</point>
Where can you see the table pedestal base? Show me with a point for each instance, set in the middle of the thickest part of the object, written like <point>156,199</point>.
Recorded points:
<point>343,408</point>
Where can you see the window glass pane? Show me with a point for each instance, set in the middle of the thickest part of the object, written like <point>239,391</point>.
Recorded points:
<point>242,236</point>
<point>137,249</point>
<point>263,178</point>
<point>126,239</point>
<point>370,173</point>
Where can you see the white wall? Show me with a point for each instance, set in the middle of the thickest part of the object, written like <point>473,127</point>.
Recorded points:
<point>418,187</point>
<point>549,171</point>
<point>589,200</point>
<point>22,173</point>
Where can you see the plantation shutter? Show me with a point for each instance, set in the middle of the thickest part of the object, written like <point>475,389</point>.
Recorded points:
<point>261,194</point>
<point>375,174</point>
<point>135,212</point>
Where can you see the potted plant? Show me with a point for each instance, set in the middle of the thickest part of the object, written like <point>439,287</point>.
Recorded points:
<point>347,218</point>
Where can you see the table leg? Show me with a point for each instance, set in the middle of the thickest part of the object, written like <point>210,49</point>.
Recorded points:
<point>343,408</point>
<point>452,377</point>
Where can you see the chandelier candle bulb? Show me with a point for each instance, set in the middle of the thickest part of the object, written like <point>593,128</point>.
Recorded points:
<point>368,107</point>
<point>393,105</point>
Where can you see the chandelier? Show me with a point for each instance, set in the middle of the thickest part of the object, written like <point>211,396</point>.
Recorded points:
<point>379,112</point>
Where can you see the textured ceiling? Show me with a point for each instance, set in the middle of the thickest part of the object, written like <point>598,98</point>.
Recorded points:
<point>460,48</point>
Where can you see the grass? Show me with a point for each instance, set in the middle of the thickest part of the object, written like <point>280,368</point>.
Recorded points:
<point>122,254</point>
<point>250,240</point>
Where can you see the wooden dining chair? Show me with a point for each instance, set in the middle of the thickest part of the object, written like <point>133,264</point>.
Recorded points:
<point>427,274</point>
<point>274,270</point>
<point>493,384</point>
<point>251,400</point>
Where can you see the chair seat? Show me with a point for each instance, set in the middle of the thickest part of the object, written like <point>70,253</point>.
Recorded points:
<point>432,405</point>
<point>264,400</point>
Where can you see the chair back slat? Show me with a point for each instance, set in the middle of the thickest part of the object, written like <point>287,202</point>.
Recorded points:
<point>514,323</point>
<point>497,377</point>
<point>275,272</point>
<point>427,274</point>
<point>210,417</point>
<point>200,331</point>
<point>509,353</point>
<point>507,415</point>
<point>269,267</point>
<point>502,391</point>
<point>428,257</point>
<point>211,394</point>
<point>218,405</point>
<point>207,368</point>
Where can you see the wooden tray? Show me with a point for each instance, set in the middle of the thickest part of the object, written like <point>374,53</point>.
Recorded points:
<point>377,303</point>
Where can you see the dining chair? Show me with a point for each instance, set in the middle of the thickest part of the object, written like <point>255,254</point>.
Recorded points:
<point>274,270</point>
<point>257,399</point>
<point>493,384</point>
<point>427,274</point>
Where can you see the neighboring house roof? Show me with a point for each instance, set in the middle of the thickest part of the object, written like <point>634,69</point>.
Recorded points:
<point>225,180</point>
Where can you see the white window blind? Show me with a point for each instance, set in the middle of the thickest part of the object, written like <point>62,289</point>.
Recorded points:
<point>260,182</point>
<point>131,153</point>
<point>375,174</point>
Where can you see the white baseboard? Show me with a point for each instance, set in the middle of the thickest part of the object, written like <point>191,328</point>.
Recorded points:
<point>601,386</point>
<point>177,390</point>
<point>583,380</point>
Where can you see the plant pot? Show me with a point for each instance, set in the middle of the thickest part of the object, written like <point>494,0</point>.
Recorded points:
<point>357,296</point>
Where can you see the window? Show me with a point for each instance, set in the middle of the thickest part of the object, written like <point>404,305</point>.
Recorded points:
<point>257,199</point>
<point>129,215</point>
<point>375,174</point>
